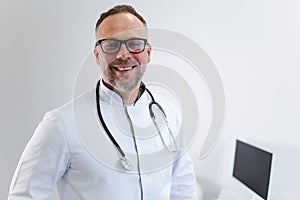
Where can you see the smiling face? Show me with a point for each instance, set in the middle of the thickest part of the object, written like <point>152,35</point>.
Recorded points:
<point>123,70</point>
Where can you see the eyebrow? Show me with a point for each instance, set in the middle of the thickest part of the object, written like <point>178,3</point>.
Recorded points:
<point>114,38</point>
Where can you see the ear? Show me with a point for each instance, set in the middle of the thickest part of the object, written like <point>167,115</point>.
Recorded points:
<point>96,53</point>
<point>148,51</point>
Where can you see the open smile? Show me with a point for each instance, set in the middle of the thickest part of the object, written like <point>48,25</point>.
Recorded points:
<point>124,68</point>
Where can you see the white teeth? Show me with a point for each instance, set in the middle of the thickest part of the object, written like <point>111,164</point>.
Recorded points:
<point>124,68</point>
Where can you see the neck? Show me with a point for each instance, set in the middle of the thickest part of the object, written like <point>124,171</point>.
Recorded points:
<point>128,97</point>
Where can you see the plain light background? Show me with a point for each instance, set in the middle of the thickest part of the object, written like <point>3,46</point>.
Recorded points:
<point>254,44</point>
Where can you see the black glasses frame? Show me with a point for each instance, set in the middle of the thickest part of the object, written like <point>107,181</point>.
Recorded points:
<point>121,42</point>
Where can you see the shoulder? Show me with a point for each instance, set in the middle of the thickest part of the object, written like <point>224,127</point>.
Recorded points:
<point>61,121</point>
<point>65,113</point>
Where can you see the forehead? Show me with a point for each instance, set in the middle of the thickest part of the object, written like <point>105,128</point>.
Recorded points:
<point>122,26</point>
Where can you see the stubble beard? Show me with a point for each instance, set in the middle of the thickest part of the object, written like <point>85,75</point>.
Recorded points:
<point>121,84</point>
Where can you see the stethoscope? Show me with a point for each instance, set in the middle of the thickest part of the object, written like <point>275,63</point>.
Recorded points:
<point>124,161</point>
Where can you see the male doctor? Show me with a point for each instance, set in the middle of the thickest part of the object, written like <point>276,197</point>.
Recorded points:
<point>106,144</point>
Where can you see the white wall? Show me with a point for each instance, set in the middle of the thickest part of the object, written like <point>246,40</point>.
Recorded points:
<point>254,44</point>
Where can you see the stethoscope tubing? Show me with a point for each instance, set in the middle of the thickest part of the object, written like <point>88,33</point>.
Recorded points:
<point>124,161</point>
<point>104,124</point>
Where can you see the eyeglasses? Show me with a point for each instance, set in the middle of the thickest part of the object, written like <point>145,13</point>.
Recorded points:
<point>133,45</point>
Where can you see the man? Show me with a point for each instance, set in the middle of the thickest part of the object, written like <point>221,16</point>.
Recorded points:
<point>92,147</point>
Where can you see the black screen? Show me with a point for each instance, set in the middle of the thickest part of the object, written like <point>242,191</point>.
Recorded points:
<point>252,166</point>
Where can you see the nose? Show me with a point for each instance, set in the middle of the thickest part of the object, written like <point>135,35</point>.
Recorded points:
<point>123,53</point>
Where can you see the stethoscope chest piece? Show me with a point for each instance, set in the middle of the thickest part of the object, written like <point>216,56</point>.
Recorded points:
<point>126,164</point>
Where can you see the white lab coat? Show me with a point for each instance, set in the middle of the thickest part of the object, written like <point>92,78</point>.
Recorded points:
<point>71,150</point>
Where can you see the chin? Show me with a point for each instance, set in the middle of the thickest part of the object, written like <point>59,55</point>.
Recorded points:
<point>126,87</point>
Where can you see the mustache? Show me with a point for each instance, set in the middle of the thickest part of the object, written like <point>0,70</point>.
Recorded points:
<point>122,62</point>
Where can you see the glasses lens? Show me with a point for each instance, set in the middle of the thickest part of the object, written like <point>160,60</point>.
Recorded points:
<point>110,46</point>
<point>135,45</point>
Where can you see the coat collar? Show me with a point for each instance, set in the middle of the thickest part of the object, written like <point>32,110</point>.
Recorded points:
<point>111,97</point>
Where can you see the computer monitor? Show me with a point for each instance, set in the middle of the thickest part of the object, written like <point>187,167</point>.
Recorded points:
<point>252,167</point>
